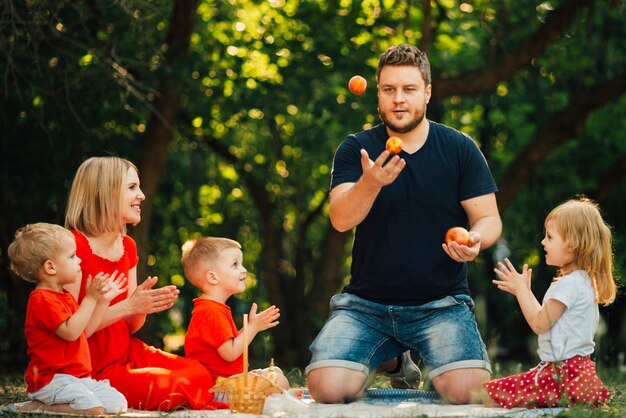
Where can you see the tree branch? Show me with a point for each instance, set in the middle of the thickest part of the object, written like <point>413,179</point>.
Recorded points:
<point>160,130</point>
<point>564,124</point>
<point>483,80</point>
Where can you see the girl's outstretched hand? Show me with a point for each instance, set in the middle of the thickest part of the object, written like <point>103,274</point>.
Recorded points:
<point>510,280</point>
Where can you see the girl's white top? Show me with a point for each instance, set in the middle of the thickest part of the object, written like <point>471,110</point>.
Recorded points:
<point>573,333</point>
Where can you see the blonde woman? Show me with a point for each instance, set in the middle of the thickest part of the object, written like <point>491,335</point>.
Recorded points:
<point>104,198</point>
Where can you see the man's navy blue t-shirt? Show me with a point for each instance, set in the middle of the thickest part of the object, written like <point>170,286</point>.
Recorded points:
<point>397,257</point>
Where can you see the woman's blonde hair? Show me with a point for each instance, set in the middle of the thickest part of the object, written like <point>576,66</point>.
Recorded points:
<point>33,245</point>
<point>580,224</point>
<point>95,202</point>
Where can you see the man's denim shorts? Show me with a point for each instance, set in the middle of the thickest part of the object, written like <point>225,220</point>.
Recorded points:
<point>360,335</point>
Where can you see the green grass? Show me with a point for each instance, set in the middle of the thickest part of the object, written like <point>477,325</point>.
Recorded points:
<point>13,389</point>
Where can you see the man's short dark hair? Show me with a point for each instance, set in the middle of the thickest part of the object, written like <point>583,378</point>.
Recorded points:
<point>405,54</point>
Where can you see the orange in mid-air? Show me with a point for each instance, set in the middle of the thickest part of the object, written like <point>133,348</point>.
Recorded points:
<point>394,145</point>
<point>458,234</point>
<point>357,85</point>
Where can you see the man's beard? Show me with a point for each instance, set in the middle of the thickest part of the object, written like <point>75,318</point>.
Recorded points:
<point>402,130</point>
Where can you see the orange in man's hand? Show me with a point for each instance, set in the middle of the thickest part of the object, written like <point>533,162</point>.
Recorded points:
<point>458,234</point>
<point>357,85</point>
<point>394,145</point>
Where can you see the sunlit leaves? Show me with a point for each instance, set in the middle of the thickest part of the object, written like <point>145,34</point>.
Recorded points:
<point>37,101</point>
<point>371,12</point>
<point>85,60</point>
<point>228,172</point>
<point>236,193</point>
<point>502,89</point>
<point>208,195</point>
<point>317,198</point>
<point>450,44</point>
<point>177,280</point>
<point>264,105</point>
<point>260,67</point>
<point>196,122</point>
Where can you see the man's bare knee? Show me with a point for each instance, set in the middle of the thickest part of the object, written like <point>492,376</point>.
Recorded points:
<point>328,396</point>
<point>335,385</point>
<point>457,396</point>
<point>458,387</point>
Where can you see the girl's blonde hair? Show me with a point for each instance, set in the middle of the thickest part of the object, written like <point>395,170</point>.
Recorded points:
<point>34,244</point>
<point>580,224</point>
<point>95,202</point>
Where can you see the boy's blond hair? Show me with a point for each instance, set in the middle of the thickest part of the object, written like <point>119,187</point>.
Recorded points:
<point>200,255</point>
<point>95,202</point>
<point>33,245</point>
<point>580,224</point>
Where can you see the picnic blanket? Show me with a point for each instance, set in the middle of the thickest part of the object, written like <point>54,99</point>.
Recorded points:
<point>384,402</point>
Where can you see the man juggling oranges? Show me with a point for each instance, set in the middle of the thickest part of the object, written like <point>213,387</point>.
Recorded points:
<point>401,195</point>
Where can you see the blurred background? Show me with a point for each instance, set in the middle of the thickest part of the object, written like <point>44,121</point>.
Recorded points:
<point>233,110</point>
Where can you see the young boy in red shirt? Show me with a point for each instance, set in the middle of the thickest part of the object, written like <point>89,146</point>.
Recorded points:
<point>58,374</point>
<point>215,266</point>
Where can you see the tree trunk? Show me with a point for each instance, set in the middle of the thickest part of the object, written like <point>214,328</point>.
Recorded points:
<point>329,271</point>
<point>159,134</point>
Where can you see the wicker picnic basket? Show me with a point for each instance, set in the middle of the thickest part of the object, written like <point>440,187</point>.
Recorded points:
<point>246,392</point>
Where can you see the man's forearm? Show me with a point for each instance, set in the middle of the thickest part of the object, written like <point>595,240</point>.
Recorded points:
<point>489,228</point>
<point>351,204</point>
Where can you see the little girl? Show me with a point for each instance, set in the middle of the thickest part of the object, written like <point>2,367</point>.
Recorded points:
<point>578,242</point>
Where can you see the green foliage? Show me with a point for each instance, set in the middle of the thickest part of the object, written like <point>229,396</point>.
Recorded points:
<point>264,104</point>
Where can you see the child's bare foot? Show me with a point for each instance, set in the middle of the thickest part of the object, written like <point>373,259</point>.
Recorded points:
<point>36,406</point>
<point>32,406</point>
